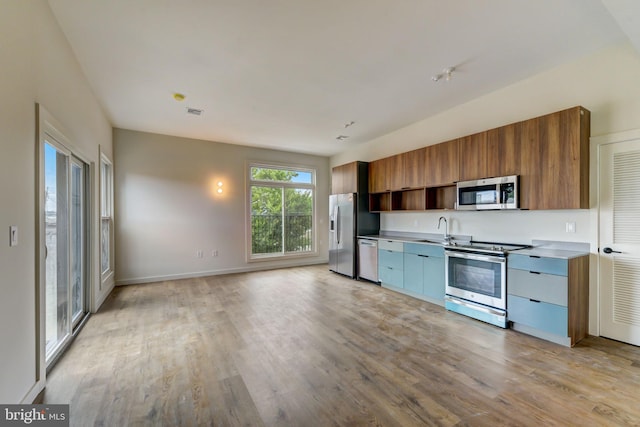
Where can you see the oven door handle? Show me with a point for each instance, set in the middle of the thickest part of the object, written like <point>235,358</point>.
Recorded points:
<point>464,255</point>
<point>475,306</point>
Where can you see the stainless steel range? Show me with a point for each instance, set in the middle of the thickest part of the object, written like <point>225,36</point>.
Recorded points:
<point>476,280</point>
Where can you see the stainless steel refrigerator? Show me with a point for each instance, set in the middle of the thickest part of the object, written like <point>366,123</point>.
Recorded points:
<point>349,217</point>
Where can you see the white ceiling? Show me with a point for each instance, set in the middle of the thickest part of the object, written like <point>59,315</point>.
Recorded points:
<point>289,74</point>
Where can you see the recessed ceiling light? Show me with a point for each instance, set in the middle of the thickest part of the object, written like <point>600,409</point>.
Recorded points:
<point>194,111</point>
<point>179,97</point>
<point>342,137</point>
<point>351,123</point>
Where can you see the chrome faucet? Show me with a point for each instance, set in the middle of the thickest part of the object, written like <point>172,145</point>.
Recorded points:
<point>447,237</point>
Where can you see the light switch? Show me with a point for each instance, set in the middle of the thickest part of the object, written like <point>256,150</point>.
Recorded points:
<point>571,227</point>
<point>13,235</point>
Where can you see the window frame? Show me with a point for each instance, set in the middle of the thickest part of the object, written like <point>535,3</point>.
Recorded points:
<point>281,184</point>
<point>106,214</point>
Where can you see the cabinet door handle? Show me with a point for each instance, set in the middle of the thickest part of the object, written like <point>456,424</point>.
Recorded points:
<point>534,256</point>
<point>534,300</point>
<point>534,272</point>
<point>424,256</point>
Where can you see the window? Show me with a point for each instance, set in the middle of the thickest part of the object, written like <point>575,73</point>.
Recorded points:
<point>106,217</point>
<point>282,211</point>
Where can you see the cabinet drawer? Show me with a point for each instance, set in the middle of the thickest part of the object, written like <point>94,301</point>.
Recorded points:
<point>422,249</point>
<point>390,259</point>
<point>557,266</point>
<point>538,286</point>
<point>540,315</point>
<point>390,276</point>
<point>391,245</point>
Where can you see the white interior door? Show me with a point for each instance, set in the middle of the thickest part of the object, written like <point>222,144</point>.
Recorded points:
<point>619,257</point>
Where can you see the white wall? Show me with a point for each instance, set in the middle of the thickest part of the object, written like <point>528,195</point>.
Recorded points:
<point>606,83</point>
<point>166,207</point>
<point>37,66</point>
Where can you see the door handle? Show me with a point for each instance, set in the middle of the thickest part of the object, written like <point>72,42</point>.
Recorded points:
<point>608,250</point>
<point>338,224</point>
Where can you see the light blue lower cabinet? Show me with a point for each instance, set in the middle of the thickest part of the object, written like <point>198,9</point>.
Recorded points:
<point>390,276</point>
<point>413,273</point>
<point>424,272</point>
<point>390,267</point>
<point>544,317</point>
<point>433,272</point>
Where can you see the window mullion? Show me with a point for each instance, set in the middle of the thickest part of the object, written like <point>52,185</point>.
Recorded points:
<point>282,209</point>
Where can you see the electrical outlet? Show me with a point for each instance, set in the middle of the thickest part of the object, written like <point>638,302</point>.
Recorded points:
<point>199,253</point>
<point>214,253</point>
<point>570,227</point>
<point>13,235</point>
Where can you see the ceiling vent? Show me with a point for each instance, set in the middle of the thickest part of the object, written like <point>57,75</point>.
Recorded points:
<point>194,111</point>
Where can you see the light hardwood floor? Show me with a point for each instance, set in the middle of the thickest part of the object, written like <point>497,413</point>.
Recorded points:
<point>306,347</point>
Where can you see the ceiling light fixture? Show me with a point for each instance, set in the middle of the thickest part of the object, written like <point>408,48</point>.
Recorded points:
<point>447,74</point>
<point>351,123</point>
<point>342,137</point>
<point>179,97</point>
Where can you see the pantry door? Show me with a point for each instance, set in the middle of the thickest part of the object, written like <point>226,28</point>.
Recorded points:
<point>619,240</point>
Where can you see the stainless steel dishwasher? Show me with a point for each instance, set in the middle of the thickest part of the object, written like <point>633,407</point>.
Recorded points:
<point>368,259</point>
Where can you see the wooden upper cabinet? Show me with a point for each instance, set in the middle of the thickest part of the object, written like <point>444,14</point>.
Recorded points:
<point>395,172</point>
<point>377,176</point>
<point>344,178</point>
<point>349,178</point>
<point>474,157</point>
<point>442,164</point>
<point>555,160</point>
<point>529,163</point>
<point>503,147</point>
<point>549,153</point>
<point>413,163</point>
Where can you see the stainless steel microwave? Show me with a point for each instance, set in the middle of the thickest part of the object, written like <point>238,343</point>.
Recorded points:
<point>488,194</point>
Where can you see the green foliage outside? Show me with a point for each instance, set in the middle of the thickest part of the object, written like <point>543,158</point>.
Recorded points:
<point>281,218</point>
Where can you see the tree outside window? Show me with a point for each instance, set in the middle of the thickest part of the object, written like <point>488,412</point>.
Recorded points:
<point>282,201</point>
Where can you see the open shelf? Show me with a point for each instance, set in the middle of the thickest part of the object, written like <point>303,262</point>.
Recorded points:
<point>416,199</point>
<point>408,200</point>
<point>379,202</point>
<point>441,197</point>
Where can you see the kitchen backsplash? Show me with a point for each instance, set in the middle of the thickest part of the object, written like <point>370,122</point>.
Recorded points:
<point>497,226</point>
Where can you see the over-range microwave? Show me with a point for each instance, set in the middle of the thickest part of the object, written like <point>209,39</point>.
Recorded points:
<point>488,194</point>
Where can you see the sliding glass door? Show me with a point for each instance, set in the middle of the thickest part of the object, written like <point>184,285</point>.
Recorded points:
<point>78,241</point>
<point>66,247</point>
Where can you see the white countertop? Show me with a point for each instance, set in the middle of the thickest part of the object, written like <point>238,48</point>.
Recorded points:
<point>550,252</point>
<point>541,248</point>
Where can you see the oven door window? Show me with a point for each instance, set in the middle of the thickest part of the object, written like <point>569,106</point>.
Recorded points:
<point>480,277</point>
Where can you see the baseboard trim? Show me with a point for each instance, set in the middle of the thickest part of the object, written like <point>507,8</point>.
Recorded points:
<point>193,275</point>
<point>104,296</point>
<point>35,394</point>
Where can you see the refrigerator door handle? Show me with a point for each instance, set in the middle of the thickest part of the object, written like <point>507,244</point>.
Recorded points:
<point>338,224</point>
